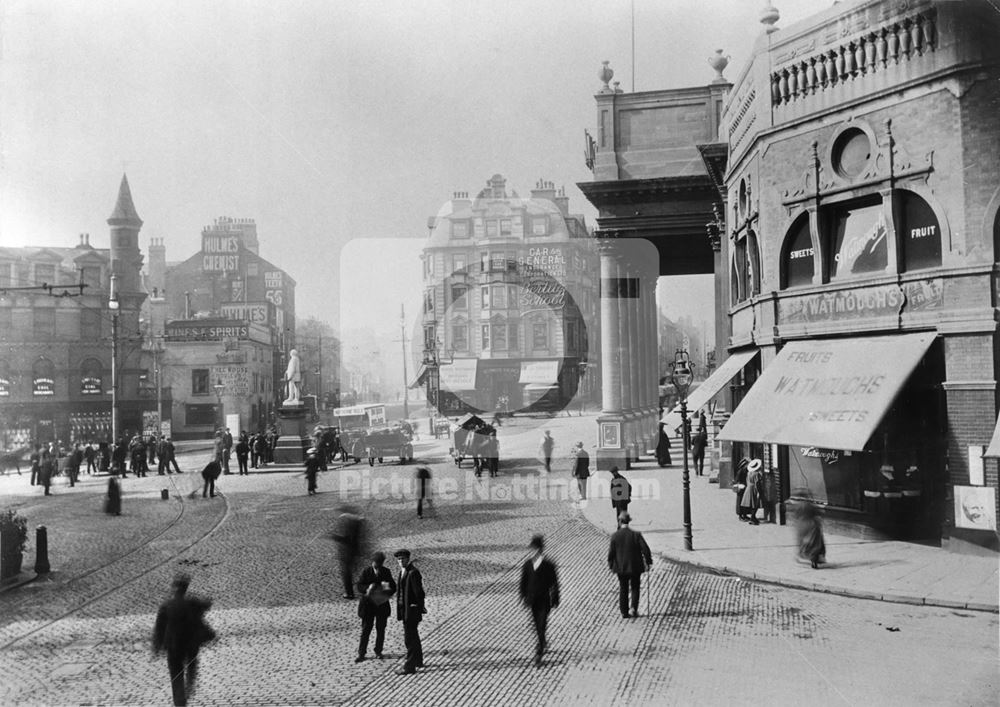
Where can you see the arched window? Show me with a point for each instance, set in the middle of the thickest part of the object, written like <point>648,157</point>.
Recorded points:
<point>798,262</point>
<point>753,265</point>
<point>857,238</point>
<point>919,232</point>
<point>5,379</point>
<point>91,377</point>
<point>43,377</point>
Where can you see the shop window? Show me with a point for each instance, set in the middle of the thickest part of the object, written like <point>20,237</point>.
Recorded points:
<point>44,322</point>
<point>43,377</point>
<point>857,238</point>
<point>6,383</point>
<point>798,257</point>
<point>460,337</point>
<point>91,377</point>
<point>459,297</point>
<point>199,381</point>
<point>920,233</point>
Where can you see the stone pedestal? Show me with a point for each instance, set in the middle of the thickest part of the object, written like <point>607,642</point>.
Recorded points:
<point>294,441</point>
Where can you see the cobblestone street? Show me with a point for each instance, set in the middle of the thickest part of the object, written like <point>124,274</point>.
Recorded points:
<point>261,550</point>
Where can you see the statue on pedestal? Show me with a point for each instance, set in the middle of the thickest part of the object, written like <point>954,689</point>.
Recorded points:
<point>293,377</point>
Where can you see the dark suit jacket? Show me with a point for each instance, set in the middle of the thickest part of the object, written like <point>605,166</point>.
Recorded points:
<point>628,552</point>
<point>410,599</point>
<point>369,576</point>
<point>540,587</point>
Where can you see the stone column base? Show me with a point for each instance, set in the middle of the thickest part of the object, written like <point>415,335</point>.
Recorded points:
<point>612,442</point>
<point>292,444</point>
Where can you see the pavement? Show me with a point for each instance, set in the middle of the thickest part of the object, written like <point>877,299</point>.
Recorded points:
<point>893,571</point>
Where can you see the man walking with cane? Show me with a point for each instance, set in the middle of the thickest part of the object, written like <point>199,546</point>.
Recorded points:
<point>628,557</point>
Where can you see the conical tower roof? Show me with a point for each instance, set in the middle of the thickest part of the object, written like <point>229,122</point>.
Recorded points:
<point>124,213</point>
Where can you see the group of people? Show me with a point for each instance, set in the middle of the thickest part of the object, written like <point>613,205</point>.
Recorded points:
<point>252,450</point>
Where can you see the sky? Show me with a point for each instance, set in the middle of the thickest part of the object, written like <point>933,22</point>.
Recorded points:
<point>327,122</point>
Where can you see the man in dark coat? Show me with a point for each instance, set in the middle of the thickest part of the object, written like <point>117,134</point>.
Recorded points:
<point>698,444</point>
<point>376,586</point>
<point>539,591</point>
<point>410,610</point>
<point>242,452</point>
<point>349,535</point>
<point>181,630</point>
<point>312,465</point>
<point>423,477</point>
<point>35,460</point>
<point>628,557</point>
<point>621,493</point>
<point>581,469</point>
<point>227,450</point>
<point>90,455</point>
<point>210,473</point>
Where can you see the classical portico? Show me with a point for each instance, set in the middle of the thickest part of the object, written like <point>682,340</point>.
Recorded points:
<point>656,187</point>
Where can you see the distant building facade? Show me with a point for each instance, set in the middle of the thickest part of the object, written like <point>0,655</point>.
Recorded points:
<point>510,303</point>
<point>226,317</point>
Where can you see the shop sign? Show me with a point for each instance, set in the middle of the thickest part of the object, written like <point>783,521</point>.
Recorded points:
<point>220,253</point>
<point>91,385</point>
<point>150,426</point>
<point>863,303</point>
<point>43,386</point>
<point>206,332</point>
<point>235,379</point>
<point>253,312</point>
<point>543,293</point>
<point>551,260</point>
<point>274,287</point>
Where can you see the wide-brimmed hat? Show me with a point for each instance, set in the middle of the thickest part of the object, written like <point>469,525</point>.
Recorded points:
<point>755,465</point>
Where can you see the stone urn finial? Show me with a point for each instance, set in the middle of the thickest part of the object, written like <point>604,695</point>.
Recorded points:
<point>606,74</point>
<point>769,16</point>
<point>719,63</point>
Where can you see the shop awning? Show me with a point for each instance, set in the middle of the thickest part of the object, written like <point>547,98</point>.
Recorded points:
<point>828,394</point>
<point>458,375</point>
<point>543,373</point>
<point>994,449</point>
<point>420,377</point>
<point>710,387</point>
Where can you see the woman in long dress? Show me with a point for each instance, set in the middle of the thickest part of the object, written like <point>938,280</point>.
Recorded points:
<point>810,533</point>
<point>663,447</point>
<point>751,494</point>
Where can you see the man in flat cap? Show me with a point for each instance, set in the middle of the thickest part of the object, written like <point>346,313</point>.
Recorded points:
<point>410,610</point>
<point>376,586</point>
<point>539,591</point>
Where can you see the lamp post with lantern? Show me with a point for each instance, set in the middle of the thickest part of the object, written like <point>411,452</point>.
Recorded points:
<point>219,387</point>
<point>681,375</point>
<point>113,307</point>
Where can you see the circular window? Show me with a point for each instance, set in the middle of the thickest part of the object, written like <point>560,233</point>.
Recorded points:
<point>851,152</point>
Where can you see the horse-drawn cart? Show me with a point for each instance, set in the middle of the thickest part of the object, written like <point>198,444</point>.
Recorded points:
<point>389,442</point>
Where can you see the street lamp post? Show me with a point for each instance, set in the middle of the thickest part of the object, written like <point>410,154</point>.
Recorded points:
<point>681,375</point>
<point>219,387</point>
<point>113,306</point>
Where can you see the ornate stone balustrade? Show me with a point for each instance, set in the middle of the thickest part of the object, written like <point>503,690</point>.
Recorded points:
<point>895,43</point>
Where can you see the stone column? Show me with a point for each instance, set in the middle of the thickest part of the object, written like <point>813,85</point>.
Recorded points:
<point>611,422</point>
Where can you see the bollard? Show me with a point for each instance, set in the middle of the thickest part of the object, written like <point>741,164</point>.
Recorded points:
<point>41,550</point>
<point>164,494</point>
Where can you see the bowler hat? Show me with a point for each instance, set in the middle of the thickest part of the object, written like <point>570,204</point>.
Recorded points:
<point>401,553</point>
<point>537,542</point>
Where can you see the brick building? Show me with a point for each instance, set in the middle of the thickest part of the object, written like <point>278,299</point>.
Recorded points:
<point>226,317</point>
<point>510,297</point>
<point>863,187</point>
<point>55,342</point>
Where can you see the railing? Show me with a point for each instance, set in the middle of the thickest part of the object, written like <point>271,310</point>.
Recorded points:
<point>872,52</point>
